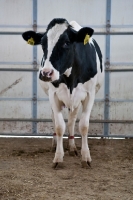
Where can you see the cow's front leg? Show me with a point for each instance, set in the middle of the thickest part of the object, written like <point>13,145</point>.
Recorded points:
<point>84,127</point>
<point>60,129</point>
<point>56,106</point>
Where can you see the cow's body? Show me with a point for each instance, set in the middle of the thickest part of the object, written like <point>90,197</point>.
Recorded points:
<point>73,87</point>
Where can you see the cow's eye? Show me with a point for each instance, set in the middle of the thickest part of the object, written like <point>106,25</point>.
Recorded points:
<point>66,45</point>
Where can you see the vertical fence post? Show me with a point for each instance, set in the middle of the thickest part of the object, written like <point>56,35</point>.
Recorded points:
<point>34,83</point>
<point>107,65</point>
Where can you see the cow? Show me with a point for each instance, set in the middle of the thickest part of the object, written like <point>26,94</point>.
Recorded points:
<point>71,74</point>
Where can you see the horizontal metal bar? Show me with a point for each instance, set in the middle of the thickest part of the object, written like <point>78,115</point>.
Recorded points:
<point>15,99</point>
<point>97,26</point>
<point>42,99</point>
<point>65,135</point>
<point>120,33</point>
<point>30,99</point>
<point>45,26</point>
<point>31,63</point>
<point>121,100</point>
<point>50,120</point>
<point>95,33</point>
<point>10,33</point>
<point>121,64</point>
<point>122,26</point>
<point>15,26</point>
<point>37,69</point>
<point>113,33</point>
<point>118,70</point>
<point>85,25</point>
<point>19,69</point>
<point>47,99</point>
<point>22,99</point>
<point>16,63</point>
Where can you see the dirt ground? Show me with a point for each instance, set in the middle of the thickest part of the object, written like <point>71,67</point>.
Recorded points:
<point>26,171</point>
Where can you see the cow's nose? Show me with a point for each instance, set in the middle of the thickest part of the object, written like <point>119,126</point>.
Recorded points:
<point>47,73</point>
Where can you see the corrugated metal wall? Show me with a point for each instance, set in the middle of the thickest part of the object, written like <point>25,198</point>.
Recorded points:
<point>24,108</point>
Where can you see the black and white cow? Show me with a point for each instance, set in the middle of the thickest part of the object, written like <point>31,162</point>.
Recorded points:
<point>71,74</point>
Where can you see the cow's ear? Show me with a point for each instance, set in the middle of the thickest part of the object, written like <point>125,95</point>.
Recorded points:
<point>83,35</point>
<point>32,37</point>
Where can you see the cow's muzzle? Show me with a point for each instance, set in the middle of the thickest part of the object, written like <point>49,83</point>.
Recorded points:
<point>46,76</point>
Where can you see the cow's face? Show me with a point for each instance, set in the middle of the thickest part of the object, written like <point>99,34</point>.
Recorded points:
<point>58,47</point>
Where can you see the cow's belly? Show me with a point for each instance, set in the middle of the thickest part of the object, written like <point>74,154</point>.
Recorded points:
<point>78,95</point>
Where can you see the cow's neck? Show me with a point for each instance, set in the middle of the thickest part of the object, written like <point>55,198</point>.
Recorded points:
<point>70,81</point>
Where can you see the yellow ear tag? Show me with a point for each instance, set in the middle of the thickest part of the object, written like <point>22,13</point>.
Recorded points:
<point>86,40</point>
<point>31,41</point>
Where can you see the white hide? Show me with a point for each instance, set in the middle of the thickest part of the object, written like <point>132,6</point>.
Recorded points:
<point>53,37</point>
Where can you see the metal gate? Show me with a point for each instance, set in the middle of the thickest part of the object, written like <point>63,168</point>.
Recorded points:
<point>24,108</point>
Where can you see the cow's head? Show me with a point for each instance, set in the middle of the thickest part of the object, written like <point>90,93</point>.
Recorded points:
<point>58,47</point>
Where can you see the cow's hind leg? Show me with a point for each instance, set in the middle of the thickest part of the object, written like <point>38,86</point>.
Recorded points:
<point>54,139</point>
<point>83,128</point>
<point>72,116</point>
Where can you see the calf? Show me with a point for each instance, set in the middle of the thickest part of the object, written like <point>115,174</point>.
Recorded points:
<point>71,74</point>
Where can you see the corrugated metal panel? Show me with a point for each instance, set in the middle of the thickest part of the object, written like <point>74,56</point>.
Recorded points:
<point>124,130</point>
<point>21,96</point>
<point>16,128</point>
<point>121,48</point>
<point>125,14</point>
<point>16,85</point>
<point>15,109</point>
<point>84,12</point>
<point>13,49</point>
<point>15,15</point>
<point>121,86</point>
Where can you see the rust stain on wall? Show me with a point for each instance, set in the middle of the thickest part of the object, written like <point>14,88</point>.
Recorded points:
<point>10,86</point>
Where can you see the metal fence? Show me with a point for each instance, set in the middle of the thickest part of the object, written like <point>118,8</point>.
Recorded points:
<point>24,108</point>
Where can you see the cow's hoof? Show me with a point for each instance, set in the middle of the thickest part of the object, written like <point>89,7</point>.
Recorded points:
<point>85,164</point>
<point>54,165</point>
<point>73,153</point>
<point>57,165</point>
<point>53,149</point>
